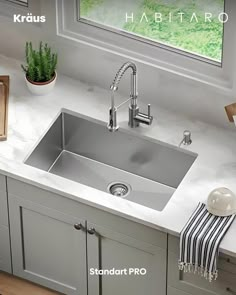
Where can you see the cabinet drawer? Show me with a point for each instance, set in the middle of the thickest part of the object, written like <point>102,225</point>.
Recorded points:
<point>5,256</point>
<point>173,291</point>
<point>227,263</point>
<point>195,284</point>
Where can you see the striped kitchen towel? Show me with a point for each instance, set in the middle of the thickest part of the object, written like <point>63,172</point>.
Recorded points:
<point>200,240</point>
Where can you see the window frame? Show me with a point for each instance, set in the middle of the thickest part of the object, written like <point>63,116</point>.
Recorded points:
<point>180,63</point>
<point>10,7</point>
<point>19,2</point>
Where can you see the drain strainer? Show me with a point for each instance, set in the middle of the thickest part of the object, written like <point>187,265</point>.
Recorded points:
<point>119,189</point>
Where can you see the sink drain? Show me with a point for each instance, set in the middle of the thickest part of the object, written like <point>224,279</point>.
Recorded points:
<point>119,189</point>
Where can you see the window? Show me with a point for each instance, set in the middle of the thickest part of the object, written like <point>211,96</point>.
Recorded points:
<point>194,26</point>
<point>208,62</point>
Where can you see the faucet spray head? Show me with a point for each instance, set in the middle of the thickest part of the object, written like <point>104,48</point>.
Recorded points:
<point>112,124</point>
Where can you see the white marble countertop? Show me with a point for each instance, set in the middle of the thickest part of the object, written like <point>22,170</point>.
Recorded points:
<point>30,116</point>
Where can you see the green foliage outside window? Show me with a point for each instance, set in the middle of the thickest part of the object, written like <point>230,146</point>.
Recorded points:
<point>201,37</point>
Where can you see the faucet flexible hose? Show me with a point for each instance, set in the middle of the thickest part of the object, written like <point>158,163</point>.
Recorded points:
<point>120,73</point>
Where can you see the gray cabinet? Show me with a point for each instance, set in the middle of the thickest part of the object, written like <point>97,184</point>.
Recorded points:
<point>61,243</point>
<point>194,284</point>
<point>47,249</point>
<point>5,254</point>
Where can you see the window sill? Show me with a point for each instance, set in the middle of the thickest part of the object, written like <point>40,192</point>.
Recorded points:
<point>223,85</point>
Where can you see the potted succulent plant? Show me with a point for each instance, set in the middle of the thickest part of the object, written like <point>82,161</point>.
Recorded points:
<point>40,71</point>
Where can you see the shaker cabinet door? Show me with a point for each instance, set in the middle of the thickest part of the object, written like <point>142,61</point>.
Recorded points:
<point>48,247</point>
<point>110,250</point>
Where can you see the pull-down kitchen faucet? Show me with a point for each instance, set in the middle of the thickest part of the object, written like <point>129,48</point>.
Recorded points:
<point>135,117</point>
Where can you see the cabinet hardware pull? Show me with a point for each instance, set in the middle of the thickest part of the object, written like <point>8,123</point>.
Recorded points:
<point>78,226</point>
<point>230,291</point>
<point>91,231</point>
<point>228,260</point>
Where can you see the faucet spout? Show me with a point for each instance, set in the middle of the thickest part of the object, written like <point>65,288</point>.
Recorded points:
<point>112,124</point>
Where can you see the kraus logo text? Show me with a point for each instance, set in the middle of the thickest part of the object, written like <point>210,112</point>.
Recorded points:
<point>29,18</point>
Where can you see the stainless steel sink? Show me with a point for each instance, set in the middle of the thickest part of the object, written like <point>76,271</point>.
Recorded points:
<point>137,168</point>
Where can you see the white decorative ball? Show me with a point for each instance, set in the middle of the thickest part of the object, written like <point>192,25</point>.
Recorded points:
<point>221,202</point>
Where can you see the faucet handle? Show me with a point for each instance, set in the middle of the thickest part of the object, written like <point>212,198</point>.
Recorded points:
<point>149,110</point>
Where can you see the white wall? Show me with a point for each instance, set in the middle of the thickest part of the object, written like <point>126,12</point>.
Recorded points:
<point>92,65</point>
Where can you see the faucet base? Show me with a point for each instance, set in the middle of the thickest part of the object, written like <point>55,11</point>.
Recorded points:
<point>132,113</point>
<point>136,117</point>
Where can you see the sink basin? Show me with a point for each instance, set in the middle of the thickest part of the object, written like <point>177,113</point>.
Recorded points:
<point>123,163</point>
